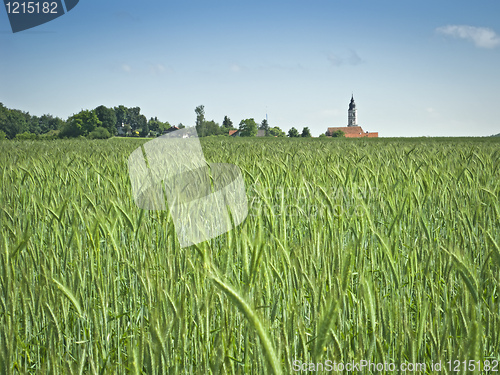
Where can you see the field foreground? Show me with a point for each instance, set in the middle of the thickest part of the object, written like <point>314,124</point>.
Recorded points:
<point>378,250</point>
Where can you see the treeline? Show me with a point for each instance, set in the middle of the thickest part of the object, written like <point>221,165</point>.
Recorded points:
<point>101,122</point>
<point>246,128</point>
<point>104,122</point>
<point>14,122</point>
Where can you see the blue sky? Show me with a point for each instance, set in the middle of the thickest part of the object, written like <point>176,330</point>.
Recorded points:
<point>416,68</point>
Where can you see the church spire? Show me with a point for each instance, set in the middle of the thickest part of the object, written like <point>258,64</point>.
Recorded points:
<point>352,113</point>
<point>352,105</point>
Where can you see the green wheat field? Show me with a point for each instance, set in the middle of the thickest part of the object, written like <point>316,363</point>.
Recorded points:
<point>385,250</point>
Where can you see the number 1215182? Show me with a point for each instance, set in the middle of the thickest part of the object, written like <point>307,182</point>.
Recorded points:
<point>30,7</point>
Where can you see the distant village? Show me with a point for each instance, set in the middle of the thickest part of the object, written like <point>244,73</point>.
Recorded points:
<point>250,128</point>
<point>103,122</point>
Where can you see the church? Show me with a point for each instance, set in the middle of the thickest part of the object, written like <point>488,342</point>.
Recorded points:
<point>352,130</point>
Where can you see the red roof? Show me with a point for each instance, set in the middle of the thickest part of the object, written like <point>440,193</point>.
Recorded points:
<point>353,132</point>
<point>231,132</point>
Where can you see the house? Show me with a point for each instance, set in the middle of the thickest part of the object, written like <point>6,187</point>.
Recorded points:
<point>352,130</point>
<point>261,133</point>
<point>122,131</point>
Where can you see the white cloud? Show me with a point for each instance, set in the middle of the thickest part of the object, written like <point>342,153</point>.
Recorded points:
<point>235,68</point>
<point>335,60</point>
<point>156,69</point>
<point>126,68</point>
<point>481,36</point>
<point>431,111</point>
<point>353,59</point>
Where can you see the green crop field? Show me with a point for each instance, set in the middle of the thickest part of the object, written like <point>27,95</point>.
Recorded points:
<point>383,250</point>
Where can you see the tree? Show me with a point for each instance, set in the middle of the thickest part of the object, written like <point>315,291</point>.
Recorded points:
<point>200,121</point>
<point>205,128</point>
<point>108,118</point>
<point>306,132</point>
<point>48,122</point>
<point>145,130</point>
<point>154,124</point>
<point>277,132</point>
<point>338,134</point>
<point>134,118</point>
<point>212,128</point>
<point>227,124</point>
<point>34,125</point>
<point>180,126</point>
<point>3,136</point>
<point>81,124</point>
<point>164,126</point>
<point>90,121</point>
<point>293,133</point>
<point>322,135</point>
<point>121,113</point>
<point>73,128</point>
<point>248,128</point>
<point>28,121</point>
<point>51,134</point>
<point>12,122</point>
<point>99,133</point>
<point>264,126</point>
<point>142,121</point>
<point>127,129</point>
<point>26,135</point>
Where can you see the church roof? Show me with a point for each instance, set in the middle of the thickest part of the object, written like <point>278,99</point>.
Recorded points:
<point>348,130</point>
<point>353,132</point>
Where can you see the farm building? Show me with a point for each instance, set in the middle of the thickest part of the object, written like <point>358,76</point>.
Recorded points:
<point>352,130</point>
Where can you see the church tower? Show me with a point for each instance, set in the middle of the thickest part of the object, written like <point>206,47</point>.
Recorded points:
<point>352,116</point>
